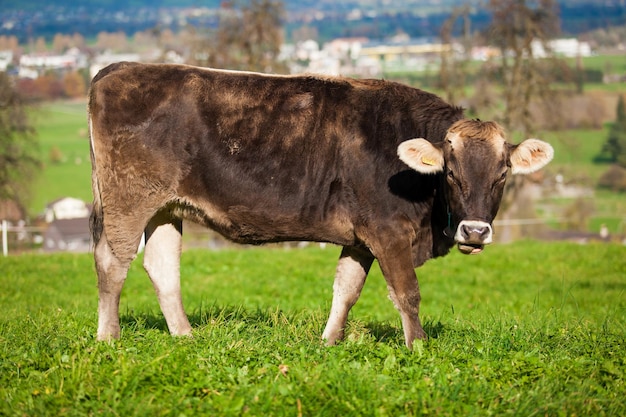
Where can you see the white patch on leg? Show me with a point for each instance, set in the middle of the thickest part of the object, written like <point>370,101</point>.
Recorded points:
<point>162,262</point>
<point>111,276</point>
<point>349,280</point>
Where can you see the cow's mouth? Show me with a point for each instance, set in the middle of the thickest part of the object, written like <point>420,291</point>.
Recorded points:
<point>470,248</point>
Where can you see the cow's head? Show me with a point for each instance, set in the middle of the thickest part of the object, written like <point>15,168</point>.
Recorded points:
<point>474,159</point>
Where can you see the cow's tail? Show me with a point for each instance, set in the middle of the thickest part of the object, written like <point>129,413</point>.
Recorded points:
<point>96,219</point>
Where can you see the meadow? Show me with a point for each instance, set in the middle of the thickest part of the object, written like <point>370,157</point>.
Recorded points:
<point>64,146</point>
<point>523,329</point>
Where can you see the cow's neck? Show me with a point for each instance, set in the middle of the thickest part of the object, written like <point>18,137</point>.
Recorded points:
<point>444,208</point>
<point>442,222</point>
<point>448,231</point>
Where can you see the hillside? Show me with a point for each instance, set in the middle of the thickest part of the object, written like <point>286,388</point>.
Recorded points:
<point>371,18</point>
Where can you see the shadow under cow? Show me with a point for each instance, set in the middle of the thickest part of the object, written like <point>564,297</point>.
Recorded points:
<point>257,318</point>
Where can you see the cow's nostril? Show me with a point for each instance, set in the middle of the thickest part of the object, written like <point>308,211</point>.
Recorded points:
<point>465,231</point>
<point>474,232</point>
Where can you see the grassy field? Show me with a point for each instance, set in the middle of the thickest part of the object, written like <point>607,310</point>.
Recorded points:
<point>62,127</point>
<point>523,329</point>
<point>575,151</point>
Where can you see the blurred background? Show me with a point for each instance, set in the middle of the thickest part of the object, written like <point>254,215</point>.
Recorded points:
<point>550,69</point>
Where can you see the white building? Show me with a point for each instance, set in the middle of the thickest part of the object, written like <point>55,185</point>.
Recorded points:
<point>66,208</point>
<point>33,65</point>
<point>567,48</point>
<point>6,58</point>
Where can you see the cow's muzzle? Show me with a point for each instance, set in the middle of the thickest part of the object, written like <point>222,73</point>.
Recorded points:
<point>472,235</point>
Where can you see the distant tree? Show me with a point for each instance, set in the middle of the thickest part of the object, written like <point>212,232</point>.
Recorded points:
<point>116,42</point>
<point>484,99</point>
<point>167,38</point>
<point>517,27</point>
<point>263,34</point>
<point>49,87</point>
<point>454,66</point>
<point>74,85</point>
<point>305,33</point>
<point>145,39</point>
<point>248,37</point>
<point>78,41</point>
<point>615,145</point>
<point>102,40</point>
<point>59,43</point>
<point>614,179</point>
<point>9,43</point>
<point>19,151</point>
<point>40,45</point>
<point>27,90</point>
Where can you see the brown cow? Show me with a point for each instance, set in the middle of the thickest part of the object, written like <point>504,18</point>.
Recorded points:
<point>384,170</point>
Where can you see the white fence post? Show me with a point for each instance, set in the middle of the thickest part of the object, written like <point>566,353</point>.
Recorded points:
<point>5,241</point>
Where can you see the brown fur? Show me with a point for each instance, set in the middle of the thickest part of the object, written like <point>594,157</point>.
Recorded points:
<point>477,129</point>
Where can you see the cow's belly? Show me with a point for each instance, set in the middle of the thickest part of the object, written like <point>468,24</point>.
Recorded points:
<point>248,224</point>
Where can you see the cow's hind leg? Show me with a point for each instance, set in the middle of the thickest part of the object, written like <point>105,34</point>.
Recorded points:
<point>352,269</point>
<point>111,268</point>
<point>162,262</point>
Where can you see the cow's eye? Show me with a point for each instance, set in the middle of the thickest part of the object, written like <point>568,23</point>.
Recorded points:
<point>452,178</point>
<point>500,180</point>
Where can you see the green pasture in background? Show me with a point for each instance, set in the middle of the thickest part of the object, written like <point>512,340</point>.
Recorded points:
<point>522,329</point>
<point>64,143</point>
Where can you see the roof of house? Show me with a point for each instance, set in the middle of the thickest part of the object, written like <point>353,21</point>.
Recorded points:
<point>72,228</point>
<point>58,200</point>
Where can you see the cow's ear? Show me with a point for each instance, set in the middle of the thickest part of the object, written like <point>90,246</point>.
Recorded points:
<point>530,156</point>
<point>421,155</point>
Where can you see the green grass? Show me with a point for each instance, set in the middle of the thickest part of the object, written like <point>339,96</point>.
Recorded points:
<point>62,126</point>
<point>523,329</point>
<point>575,157</point>
<point>575,152</point>
<point>612,63</point>
<point>609,65</point>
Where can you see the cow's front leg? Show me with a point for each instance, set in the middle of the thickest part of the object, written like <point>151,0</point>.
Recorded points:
<point>352,269</point>
<point>162,262</point>
<point>396,265</point>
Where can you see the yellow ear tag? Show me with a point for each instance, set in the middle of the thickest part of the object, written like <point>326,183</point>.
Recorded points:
<point>428,161</point>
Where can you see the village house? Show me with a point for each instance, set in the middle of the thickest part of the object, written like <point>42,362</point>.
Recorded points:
<point>71,235</point>
<point>67,228</point>
<point>35,64</point>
